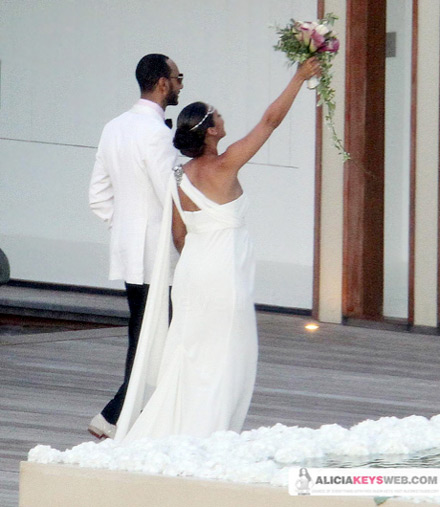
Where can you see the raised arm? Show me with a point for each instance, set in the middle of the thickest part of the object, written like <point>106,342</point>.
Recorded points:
<point>243,150</point>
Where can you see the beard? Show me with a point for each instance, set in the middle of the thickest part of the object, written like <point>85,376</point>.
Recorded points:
<point>172,98</point>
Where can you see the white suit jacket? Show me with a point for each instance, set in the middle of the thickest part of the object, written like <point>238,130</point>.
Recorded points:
<point>129,181</point>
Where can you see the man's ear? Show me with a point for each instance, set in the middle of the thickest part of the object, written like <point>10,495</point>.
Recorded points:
<point>163,84</point>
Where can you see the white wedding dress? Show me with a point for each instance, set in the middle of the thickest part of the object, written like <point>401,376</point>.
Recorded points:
<point>197,377</point>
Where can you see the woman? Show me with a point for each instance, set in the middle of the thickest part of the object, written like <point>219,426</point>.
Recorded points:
<point>206,371</point>
<point>304,483</point>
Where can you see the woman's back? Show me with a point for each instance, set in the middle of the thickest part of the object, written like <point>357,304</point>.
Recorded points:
<point>206,175</point>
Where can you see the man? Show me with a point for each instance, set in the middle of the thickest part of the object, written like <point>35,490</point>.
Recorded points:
<point>134,161</point>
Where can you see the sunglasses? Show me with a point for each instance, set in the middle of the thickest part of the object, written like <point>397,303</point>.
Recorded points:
<point>179,78</point>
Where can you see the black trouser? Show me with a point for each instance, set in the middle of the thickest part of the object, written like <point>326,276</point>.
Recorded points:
<point>137,298</point>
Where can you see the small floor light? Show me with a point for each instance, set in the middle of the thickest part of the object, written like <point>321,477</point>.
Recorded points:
<point>311,327</point>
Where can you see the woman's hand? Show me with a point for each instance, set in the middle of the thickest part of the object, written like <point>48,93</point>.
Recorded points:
<point>309,68</point>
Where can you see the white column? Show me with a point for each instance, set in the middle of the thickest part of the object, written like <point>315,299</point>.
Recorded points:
<point>427,165</point>
<point>332,196</point>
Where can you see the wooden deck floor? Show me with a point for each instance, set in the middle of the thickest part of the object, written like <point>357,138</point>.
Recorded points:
<point>52,384</point>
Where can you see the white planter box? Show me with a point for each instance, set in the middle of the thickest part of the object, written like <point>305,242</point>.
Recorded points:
<point>69,486</point>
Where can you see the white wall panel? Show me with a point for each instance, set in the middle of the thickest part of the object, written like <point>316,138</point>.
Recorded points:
<point>427,165</point>
<point>46,228</point>
<point>332,192</point>
<point>397,160</point>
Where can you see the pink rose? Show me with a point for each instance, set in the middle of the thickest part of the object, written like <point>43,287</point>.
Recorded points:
<point>330,46</point>
<point>316,41</point>
<point>306,30</point>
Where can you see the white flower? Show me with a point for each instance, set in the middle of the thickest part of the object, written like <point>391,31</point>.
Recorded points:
<point>44,454</point>
<point>322,29</point>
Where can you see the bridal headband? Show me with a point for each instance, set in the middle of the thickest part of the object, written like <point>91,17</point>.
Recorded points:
<point>210,111</point>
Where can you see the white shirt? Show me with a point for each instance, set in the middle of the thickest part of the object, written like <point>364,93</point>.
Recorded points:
<point>127,190</point>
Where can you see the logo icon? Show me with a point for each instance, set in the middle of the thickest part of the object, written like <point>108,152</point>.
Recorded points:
<point>304,482</point>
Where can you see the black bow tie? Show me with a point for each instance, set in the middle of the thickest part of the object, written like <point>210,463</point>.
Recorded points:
<point>169,123</point>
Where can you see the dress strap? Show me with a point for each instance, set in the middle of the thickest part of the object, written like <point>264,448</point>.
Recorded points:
<point>146,367</point>
<point>174,185</point>
<point>178,173</point>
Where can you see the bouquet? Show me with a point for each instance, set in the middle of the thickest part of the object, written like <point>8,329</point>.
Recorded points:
<point>301,40</point>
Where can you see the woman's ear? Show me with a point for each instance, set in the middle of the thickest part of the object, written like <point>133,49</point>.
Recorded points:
<point>212,131</point>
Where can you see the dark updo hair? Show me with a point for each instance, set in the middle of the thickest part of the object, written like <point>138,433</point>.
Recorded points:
<point>191,130</point>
